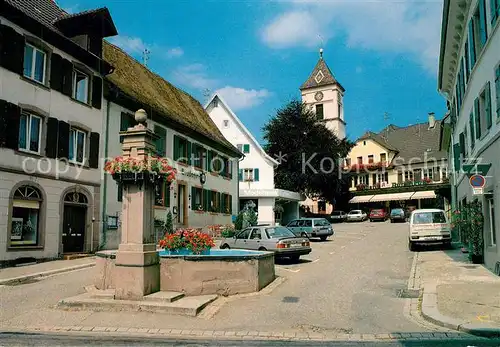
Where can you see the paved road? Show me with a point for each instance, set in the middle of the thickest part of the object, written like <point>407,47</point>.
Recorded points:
<point>60,341</point>
<point>346,285</point>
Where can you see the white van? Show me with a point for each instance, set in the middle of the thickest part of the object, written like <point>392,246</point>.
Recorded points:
<point>429,227</point>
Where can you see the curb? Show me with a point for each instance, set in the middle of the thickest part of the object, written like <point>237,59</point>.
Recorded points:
<point>431,313</point>
<point>14,280</point>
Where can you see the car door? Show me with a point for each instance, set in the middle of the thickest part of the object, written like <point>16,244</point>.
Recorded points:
<point>241,239</point>
<point>254,242</point>
<point>293,226</point>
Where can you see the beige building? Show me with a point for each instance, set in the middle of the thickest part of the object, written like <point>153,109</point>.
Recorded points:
<point>324,95</point>
<point>51,111</point>
<point>399,167</point>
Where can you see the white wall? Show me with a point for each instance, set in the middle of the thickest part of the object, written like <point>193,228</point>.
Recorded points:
<point>266,211</point>
<point>235,134</point>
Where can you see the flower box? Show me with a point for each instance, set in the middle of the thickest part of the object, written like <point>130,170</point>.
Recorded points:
<point>127,178</point>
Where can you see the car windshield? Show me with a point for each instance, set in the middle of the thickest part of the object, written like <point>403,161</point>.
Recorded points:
<point>355,212</point>
<point>336,213</point>
<point>429,217</point>
<point>321,223</point>
<point>377,211</point>
<point>277,232</point>
<point>397,211</point>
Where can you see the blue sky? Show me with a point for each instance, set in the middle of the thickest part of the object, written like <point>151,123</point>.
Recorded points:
<point>258,52</point>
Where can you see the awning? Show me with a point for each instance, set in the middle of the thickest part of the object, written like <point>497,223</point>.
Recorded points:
<point>391,197</point>
<point>428,194</point>
<point>360,199</point>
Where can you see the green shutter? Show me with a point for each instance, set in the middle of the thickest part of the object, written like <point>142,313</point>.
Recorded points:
<point>193,198</point>
<point>230,203</point>
<point>483,34</point>
<point>494,11</point>
<point>477,115</point>
<point>456,156</point>
<point>119,196</point>
<point>206,199</point>
<point>256,175</point>
<point>240,175</point>
<point>467,63</point>
<point>246,148</point>
<point>497,82</point>
<point>210,167</point>
<point>472,133</point>
<point>194,155</point>
<point>189,159</point>
<point>176,147</point>
<point>160,142</point>
<point>487,106</point>
<point>223,202</point>
<point>472,45</point>
<point>461,138</point>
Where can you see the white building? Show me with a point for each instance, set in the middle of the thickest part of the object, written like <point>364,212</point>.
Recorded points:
<point>325,96</point>
<point>50,128</point>
<point>206,188</point>
<point>256,170</point>
<point>469,77</point>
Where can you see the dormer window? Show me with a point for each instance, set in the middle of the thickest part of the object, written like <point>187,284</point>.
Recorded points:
<point>34,63</point>
<point>80,86</point>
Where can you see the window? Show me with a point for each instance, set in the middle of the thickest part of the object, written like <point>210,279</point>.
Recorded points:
<point>256,234</point>
<point>181,152</point>
<point>383,157</point>
<point>472,46</point>
<point>491,209</point>
<point>360,160</point>
<point>197,199</point>
<point>77,146</point>
<point>30,132</point>
<point>471,130</point>
<point>340,111</point>
<point>429,217</point>
<point>80,86</point>
<point>35,61</point>
<point>467,61</point>
<point>244,234</point>
<point>444,173</point>
<point>364,143</point>
<point>26,206</point>
<point>246,148</point>
<point>162,195</point>
<point>494,11</point>
<point>347,161</point>
<point>248,174</point>
<point>408,175</point>
<point>363,179</point>
<point>428,174</point>
<point>214,201</point>
<point>199,159</point>
<point>279,232</point>
<point>370,159</point>
<point>319,111</point>
<point>479,27</point>
<point>225,123</point>
<point>482,112</point>
<point>497,87</point>
<point>161,142</point>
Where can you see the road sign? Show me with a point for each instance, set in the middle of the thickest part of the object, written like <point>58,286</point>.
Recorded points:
<point>477,191</point>
<point>477,181</point>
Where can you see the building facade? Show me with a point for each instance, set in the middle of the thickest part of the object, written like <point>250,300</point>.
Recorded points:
<point>399,167</point>
<point>51,99</point>
<point>469,77</point>
<point>205,191</point>
<point>256,169</point>
<point>325,97</point>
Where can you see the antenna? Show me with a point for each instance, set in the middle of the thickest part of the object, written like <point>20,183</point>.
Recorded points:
<point>145,56</point>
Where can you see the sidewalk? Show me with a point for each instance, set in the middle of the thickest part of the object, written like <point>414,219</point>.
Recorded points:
<point>459,295</point>
<point>20,273</point>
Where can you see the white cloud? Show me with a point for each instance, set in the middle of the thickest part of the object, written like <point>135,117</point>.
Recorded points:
<point>135,46</point>
<point>240,98</point>
<point>194,76</point>
<point>404,26</point>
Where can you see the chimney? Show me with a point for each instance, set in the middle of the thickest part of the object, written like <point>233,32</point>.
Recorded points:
<point>432,120</point>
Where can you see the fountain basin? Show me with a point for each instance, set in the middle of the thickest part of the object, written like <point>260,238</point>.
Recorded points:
<point>222,272</point>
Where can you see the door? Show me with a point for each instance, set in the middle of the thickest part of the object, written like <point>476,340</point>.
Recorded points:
<point>255,240</point>
<point>73,237</point>
<point>241,239</point>
<point>181,213</point>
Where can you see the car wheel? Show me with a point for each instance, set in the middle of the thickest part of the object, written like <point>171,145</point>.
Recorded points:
<point>447,245</point>
<point>323,238</point>
<point>295,258</point>
<point>225,246</point>
<point>411,246</point>
<point>263,249</point>
<point>392,221</point>
<point>304,235</point>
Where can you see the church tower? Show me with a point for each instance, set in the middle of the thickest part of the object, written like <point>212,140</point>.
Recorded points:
<point>324,95</point>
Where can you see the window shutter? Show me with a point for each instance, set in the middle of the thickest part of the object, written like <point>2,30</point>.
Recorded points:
<point>3,123</point>
<point>51,138</point>
<point>246,148</point>
<point>63,142</point>
<point>461,138</point>
<point>67,77</point>
<point>194,155</point>
<point>96,92</point>
<point>126,121</point>
<point>12,119</point>
<point>176,147</point>
<point>189,159</point>
<point>240,147</point>
<point>472,133</point>
<point>94,151</point>
<point>478,118</point>
<point>256,175</point>
<point>472,45</point>
<point>206,199</point>
<point>467,63</point>
<point>230,203</point>
<point>494,11</point>
<point>487,106</point>
<point>483,34</point>
<point>193,198</point>
<point>161,141</point>
<point>210,167</point>
<point>56,77</point>
<point>218,198</point>
<point>119,196</point>
<point>456,156</point>
<point>12,49</point>
<point>240,175</point>
<point>497,87</point>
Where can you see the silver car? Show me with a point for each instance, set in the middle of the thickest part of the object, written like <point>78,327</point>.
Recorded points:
<point>357,216</point>
<point>277,239</point>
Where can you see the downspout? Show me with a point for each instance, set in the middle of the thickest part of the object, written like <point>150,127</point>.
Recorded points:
<point>105,183</point>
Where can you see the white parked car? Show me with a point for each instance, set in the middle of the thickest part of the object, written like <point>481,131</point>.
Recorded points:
<point>428,227</point>
<point>357,216</point>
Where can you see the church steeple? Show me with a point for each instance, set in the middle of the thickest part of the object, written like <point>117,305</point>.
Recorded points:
<point>321,75</point>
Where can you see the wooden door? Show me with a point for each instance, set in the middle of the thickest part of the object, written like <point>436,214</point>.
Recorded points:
<point>73,237</point>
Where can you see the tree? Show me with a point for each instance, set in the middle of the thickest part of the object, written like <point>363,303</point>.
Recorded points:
<point>308,152</point>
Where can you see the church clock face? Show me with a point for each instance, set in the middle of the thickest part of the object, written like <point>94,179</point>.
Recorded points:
<point>318,96</point>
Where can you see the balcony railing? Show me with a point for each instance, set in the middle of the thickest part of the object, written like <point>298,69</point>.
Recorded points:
<point>383,185</point>
<point>369,166</point>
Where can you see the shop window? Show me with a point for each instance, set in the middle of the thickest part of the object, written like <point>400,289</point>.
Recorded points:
<point>25,223</point>
<point>492,227</point>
